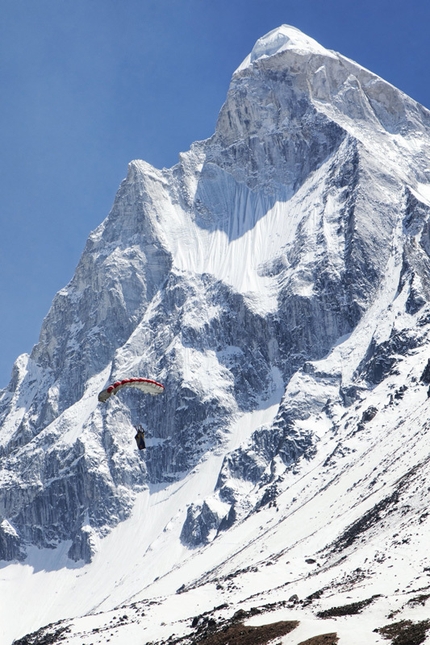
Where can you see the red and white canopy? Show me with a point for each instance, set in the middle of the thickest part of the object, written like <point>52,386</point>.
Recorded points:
<point>144,384</point>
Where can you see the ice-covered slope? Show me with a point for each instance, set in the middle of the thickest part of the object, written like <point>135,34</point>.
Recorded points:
<point>277,282</point>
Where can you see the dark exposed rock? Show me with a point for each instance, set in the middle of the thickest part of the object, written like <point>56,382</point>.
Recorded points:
<point>381,359</point>
<point>425,376</point>
<point>347,610</point>
<point>11,547</point>
<point>369,519</point>
<point>82,546</point>
<point>49,635</point>
<point>405,632</point>
<point>369,414</point>
<point>201,521</point>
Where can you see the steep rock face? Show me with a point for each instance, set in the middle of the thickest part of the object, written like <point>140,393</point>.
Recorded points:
<point>123,265</point>
<point>303,220</point>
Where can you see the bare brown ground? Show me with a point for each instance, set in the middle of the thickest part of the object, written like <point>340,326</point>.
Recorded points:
<point>239,634</point>
<point>322,639</point>
<point>406,632</point>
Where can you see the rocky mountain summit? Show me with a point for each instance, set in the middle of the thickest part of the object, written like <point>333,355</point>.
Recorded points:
<point>277,282</point>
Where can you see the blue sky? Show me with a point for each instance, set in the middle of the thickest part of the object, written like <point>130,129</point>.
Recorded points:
<point>88,85</point>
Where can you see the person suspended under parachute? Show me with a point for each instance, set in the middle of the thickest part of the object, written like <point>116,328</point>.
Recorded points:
<point>140,437</point>
<point>144,385</point>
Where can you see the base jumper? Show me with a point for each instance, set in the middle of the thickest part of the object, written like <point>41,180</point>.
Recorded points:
<point>146,385</point>
<point>140,437</point>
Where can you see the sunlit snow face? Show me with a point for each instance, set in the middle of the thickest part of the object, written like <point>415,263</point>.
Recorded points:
<point>280,39</point>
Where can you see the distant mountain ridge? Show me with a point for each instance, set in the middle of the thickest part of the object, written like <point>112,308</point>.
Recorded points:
<point>277,282</point>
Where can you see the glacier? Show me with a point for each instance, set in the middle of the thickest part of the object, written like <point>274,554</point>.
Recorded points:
<point>277,282</point>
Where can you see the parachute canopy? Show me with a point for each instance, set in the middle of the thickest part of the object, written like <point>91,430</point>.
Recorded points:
<point>143,384</point>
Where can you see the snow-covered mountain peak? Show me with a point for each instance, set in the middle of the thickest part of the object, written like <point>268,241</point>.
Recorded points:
<point>292,88</point>
<point>281,39</point>
<point>277,282</point>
